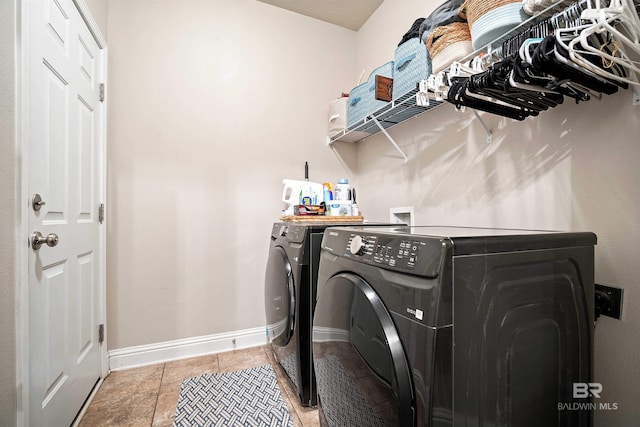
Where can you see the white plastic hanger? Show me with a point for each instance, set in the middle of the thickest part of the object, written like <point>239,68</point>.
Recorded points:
<point>621,25</point>
<point>607,23</point>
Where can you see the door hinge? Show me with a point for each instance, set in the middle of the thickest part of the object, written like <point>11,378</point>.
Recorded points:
<point>101,96</point>
<point>101,213</point>
<point>101,333</point>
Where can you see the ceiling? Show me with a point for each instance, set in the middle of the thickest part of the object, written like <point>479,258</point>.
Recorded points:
<point>351,14</point>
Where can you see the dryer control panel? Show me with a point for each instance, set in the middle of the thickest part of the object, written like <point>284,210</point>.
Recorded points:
<point>389,251</point>
<point>289,232</point>
<point>360,245</point>
<point>402,253</point>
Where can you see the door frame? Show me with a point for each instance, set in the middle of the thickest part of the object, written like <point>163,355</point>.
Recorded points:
<point>22,208</point>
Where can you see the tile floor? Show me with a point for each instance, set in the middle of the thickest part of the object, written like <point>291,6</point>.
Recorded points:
<point>148,396</point>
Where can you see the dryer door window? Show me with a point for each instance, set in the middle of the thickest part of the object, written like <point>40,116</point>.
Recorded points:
<point>362,373</point>
<point>280,297</point>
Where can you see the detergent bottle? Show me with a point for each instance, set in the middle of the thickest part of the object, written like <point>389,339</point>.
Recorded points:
<point>310,193</point>
<point>295,192</point>
<point>301,192</point>
<point>343,190</point>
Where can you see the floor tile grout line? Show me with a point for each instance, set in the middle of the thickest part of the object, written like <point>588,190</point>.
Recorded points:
<point>155,407</point>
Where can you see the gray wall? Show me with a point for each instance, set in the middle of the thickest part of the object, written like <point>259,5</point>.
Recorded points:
<point>7,215</point>
<point>211,104</point>
<point>100,12</point>
<point>574,167</point>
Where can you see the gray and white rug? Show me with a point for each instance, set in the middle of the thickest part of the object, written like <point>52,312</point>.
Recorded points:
<point>250,397</point>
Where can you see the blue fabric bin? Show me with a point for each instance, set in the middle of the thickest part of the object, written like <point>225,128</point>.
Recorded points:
<point>412,64</point>
<point>362,98</point>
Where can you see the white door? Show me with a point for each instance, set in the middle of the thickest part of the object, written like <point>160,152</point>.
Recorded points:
<point>63,118</point>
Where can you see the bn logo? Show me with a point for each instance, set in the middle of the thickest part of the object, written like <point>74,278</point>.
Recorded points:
<point>584,390</point>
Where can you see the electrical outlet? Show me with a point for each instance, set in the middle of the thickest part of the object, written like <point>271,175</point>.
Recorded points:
<point>608,301</point>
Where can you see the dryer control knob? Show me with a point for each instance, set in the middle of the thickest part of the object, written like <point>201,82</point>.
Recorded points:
<point>357,246</point>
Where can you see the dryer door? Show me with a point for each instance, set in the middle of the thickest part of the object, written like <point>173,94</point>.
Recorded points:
<point>362,373</point>
<point>279,297</point>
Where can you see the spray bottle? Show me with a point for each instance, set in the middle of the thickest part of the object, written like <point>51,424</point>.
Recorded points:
<point>327,195</point>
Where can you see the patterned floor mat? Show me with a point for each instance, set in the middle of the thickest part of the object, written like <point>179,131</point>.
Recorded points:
<point>250,397</point>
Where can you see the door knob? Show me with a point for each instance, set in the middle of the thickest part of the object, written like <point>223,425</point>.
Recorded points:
<point>37,240</point>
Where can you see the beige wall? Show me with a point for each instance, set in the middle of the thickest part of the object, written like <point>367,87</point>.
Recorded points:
<point>380,35</point>
<point>8,393</point>
<point>211,104</point>
<point>99,11</point>
<point>572,168</point>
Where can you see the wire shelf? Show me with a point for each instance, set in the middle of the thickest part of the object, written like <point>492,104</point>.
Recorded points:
<point>395,112</point>
<point>405,107</point>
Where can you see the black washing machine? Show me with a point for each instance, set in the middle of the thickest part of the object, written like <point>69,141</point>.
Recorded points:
<point>448,326</point>
<point>290,296</point>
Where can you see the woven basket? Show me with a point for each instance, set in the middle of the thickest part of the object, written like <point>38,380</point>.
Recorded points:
<point>442,37</point>
<point>474,9</point>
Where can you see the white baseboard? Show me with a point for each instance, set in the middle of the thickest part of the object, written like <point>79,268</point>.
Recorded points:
<point>142,355</point>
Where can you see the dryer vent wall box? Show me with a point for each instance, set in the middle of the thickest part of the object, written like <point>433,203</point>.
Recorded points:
<point>402,215</point>
<point>425,318</point>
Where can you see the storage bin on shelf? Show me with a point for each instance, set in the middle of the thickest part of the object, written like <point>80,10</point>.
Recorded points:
<point>448,43</point>
<point>488,19</point>
<point>362,98</point>
<point>411,64</point>
<point>337,115</point>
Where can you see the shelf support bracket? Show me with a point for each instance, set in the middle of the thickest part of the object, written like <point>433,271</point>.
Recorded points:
<point>384,131</point>
<point>484,126</point>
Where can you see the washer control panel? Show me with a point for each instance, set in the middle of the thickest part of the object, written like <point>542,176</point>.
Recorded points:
<point>360,245</point>
<point>417,255</point>
<point>392,252</point>
<point>290,232</point>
